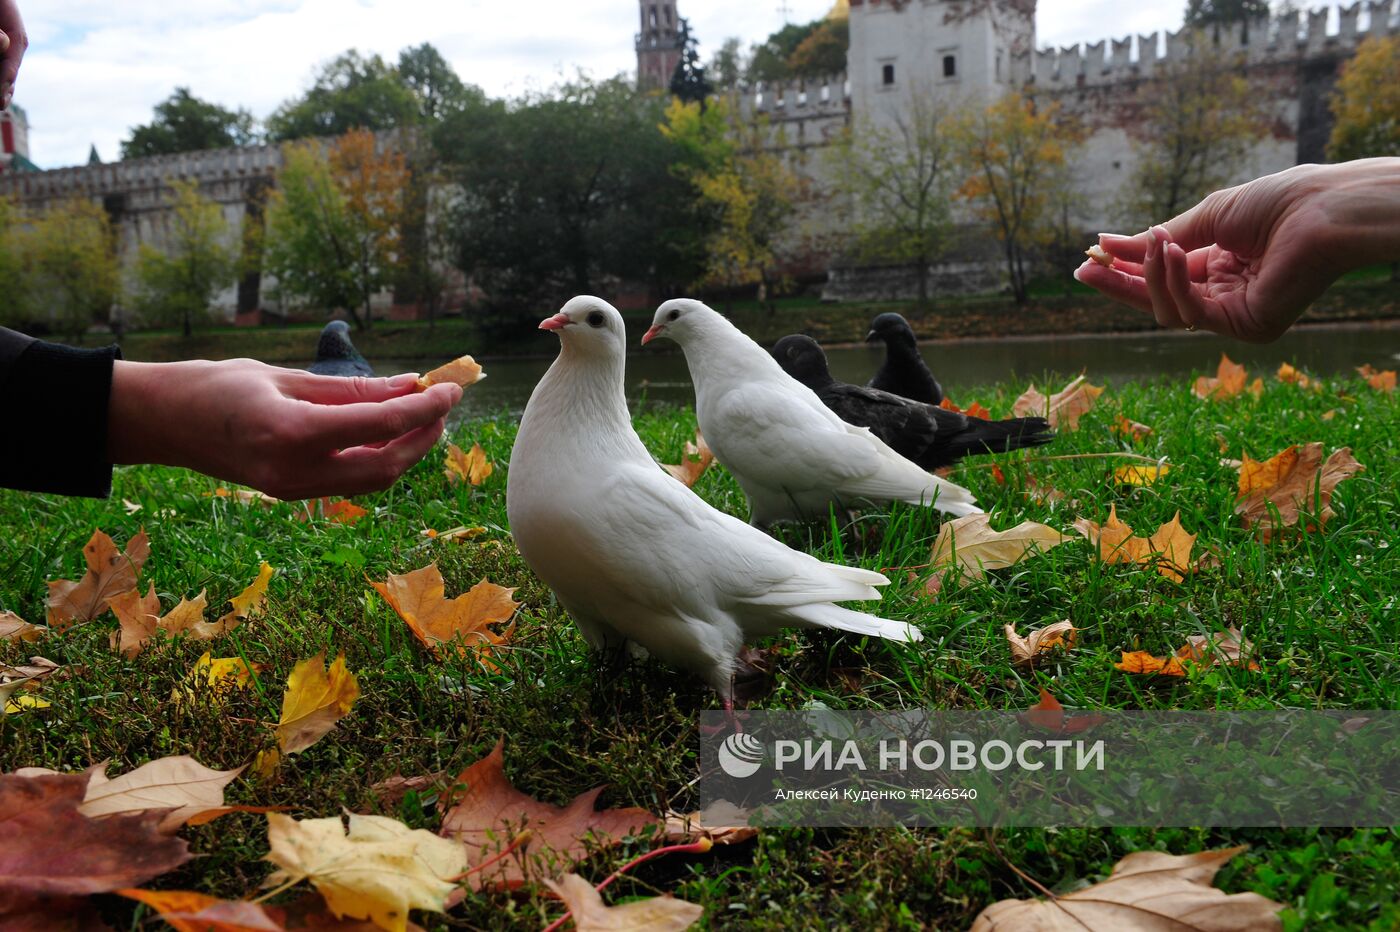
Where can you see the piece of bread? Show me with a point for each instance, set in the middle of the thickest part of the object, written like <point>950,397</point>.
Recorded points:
<point>463,370</point>
<point>1096,252</point>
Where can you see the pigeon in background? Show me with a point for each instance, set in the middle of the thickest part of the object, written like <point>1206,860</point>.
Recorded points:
<point>929,435</point>
<point>336,355</point>
<point>904,372</point>
<point>633,554</point>
<point>790,453</point>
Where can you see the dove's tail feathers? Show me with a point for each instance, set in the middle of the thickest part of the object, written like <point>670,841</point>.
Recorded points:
<point>826,615</point>
<point>857,575</point>
<point>948,497</point>
<point>996,437</point>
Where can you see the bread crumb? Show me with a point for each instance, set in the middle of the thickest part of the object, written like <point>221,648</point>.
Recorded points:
<point>463,371</point>
<point>1096,252</point>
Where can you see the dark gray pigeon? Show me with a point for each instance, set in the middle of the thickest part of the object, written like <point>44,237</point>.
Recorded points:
<point>336,355</point>
<point>931,436</point>
<point>904,372</point>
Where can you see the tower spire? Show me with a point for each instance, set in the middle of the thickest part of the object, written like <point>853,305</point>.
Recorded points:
<point>659,43</point>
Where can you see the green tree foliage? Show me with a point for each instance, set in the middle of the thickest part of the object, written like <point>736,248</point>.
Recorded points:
<point>1197,123</point>
<point>563,191</point>
<point>1366,105</point>
<point>436,87</point>
<point>688,81</point>
<point>900,182</point>
<point>69,275</point>
<point>333,223</point>
<point>350,92</point>
<point>1201,13</point>
<point>746,195</point>
<point>184,123</point>
<point>727,65</point>
<point>804,50</point>
<point>177,283</point>
<point>769,59</point>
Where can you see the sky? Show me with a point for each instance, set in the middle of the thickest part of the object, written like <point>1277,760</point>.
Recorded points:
<point>96,68</point>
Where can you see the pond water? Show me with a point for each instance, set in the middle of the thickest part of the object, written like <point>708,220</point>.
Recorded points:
<point>661,374</point>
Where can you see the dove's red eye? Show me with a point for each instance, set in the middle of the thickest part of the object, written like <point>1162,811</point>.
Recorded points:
<point>596,319</point>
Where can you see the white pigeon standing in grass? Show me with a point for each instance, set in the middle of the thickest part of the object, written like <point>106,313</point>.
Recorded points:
<point>633,554</point>
<point>791,454</point>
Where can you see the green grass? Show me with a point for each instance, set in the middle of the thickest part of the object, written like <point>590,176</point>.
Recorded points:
<point>1320,607</point>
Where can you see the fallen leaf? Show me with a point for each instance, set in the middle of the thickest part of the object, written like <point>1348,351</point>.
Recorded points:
<point>1382,380</point>
<point>36,669</point>
<point>1292,376</point>
<point>15,628</point>
<point>459,625</point>
<point>472,466</point>
<point>1140,661</point>
<point>1287,483</point>
<point>1168,549</point>
<point>1140,475</point>
<point>188,911</point>
<point>1025,651</point>
<point>250,601</point>
<point>216,677</point>
<point>973,410</point>
<point>459,533</point>
<point>376,869</point>
<point>654,914</point>
<point>1130,430</point>
<point>934,583</point>
<point>1328,415</point>
<point>463,370</point>
<point>109,573</point>
<point>1049,715</point>
<point>140,621</point>
<point>695,459</point>
<point>244,496</point>
<point>1227,382</point>
<point>392,790</point>
<point>1062,409</point>
<point>1147,891</point>
<point>180,788</point>
<point>340,511</point>
<point>315,700</point>
<point>130,506</point>
<point>970,543</point>
<point>21,703</point>
<point>721,822</point>
<point>308,913</point>
<point>485,813</point>
<point>1256,388</point>
<point>1043,492</point>
<point>1228,646</point>
<point>265,763</point>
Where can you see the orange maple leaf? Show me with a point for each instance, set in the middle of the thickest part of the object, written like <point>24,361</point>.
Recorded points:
<point>1062,409</point>
<point>1130,430</point>
<point>1382,380</point>
<point>473,466</point>
<point>696,458</point>
<point>1287,373</point>
<point>340,511</point>
<point>1291,480</point>
<point>1049,715</point>
<point>109,573</point>
<point>439,623</point>
<point>486,814</point>
<point>1228,381</point>
<point>1140,661</point>
<point>1168,549</point>
<point>188,911</point>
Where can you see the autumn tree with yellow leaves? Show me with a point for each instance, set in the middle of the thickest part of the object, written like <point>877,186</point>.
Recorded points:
<point>177,283</point>
<point>1366,105</point>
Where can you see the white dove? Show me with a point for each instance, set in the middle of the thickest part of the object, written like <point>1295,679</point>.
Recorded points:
<point>791,454</point>
<point>633,554</point>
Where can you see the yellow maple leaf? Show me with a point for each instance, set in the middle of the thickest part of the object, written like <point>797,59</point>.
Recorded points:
<point>1292,376</point>
<point>315,700</point>
<point>1272,493</point>
<point>1168,549</point>
<point>473,466</point>
<point>217,676</point>
<point>1062,409</point>
<point>970,543</point>
<point>1228,381</point>
<point>439,623</point>
<point>376,869</point>
<point>248,602</point>
<point>1140,475</point>
<point>20,703</point>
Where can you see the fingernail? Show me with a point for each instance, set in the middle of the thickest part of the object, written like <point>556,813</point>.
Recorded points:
<point>1114,238</point>
<point>404,380</point>
<point>1077,271</point>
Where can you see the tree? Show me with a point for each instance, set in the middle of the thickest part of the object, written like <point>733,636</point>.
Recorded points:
<point>71,277</point>
<point>688,81</point>
<point>1196,125</point>
<point>179,282</point>
<point>1366,105</point>
<point>184,123</point>
<point>437,88</point>
<point>747,193</point>
<point>823,52</point>
<point>333,223</point>
<point>350,92</point>
<point>900,181</point>
<point>1217,13</point>
<point>769,60</point>
<point>727,65</point>
<point>1014,153</point>
<point>565,191</point>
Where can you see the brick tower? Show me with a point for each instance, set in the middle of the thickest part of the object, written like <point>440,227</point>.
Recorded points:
<point>658,43</point>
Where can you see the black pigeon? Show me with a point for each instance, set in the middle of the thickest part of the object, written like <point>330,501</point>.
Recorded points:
<point>904,372</point>
<point>336,355</point>
<point>931,436</point>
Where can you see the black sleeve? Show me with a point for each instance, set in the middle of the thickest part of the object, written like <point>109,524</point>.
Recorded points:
<point>53,407</point>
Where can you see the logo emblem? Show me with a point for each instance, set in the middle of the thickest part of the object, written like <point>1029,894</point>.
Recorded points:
<point>741,755</point>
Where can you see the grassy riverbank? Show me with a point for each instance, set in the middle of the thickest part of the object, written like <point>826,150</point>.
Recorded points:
<point>1366,295</point>
<point>1320,608</point>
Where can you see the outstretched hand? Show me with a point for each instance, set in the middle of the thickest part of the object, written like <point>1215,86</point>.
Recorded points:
<point>13,42</point>
<point>284,432</point>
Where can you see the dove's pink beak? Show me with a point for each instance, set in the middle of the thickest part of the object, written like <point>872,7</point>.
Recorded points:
<point>557,322</point>
<point>653,333</point>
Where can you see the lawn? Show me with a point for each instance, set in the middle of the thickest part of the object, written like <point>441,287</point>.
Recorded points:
<point>1319,606</point>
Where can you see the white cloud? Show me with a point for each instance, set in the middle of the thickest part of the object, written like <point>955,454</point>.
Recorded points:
<point>95,69</point>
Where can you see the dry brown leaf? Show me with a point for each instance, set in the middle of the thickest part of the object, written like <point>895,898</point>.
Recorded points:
<point>472,466</point>
<point>459,625</point>
<point>1288,482</point>
<point>696,458</point>
<point>1292,376</point>
<point>1168,549</point>
<point>463,371</point>
<point>188,911</point>
<point>109,573</point>
<point>721,822</point>
<point>1148,891</point>
<point>1025,651</point>
<point>181,788</point>
<point>1130,430</point>
<point>1049,715</point>
<point>1062,409</point>
<point>590,914</point>
<point>970,543</point>
<point>392,790</point>
<point>1227,382</point>
<point>486,814</point>
<point>459,533</point>
<point>15,628</point>
<point>376,869</point>
<point>1140,661</point>
<point>1227,646</point>
<point>315,700</point>
<point>1382,380</point>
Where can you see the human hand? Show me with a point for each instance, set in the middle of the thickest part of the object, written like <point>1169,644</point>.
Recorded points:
<point>1248,260</point>
<point>285,432</point>
<point>13,41</point>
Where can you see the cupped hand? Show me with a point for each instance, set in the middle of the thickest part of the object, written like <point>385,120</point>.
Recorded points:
<point>285,432</point>
<point>13,42</point>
